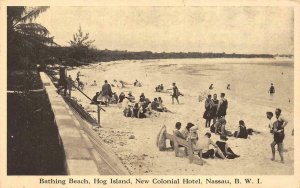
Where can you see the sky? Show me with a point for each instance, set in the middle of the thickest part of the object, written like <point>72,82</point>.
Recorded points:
<point>177,29</point>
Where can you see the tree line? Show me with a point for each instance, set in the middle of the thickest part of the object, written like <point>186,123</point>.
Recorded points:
<point>29,44</point>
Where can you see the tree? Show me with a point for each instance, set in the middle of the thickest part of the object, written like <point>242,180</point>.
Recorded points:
<point>81,40</point>
<point>81,46</point>
<point>25,39</point>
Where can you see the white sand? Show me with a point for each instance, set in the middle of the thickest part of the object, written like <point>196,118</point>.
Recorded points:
<point>248,100</point>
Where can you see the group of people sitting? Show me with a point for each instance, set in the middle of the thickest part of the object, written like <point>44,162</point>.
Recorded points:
<point>159,88</point>
<point>220,128</point>
<point>202,144</point>
<point>143,108</point>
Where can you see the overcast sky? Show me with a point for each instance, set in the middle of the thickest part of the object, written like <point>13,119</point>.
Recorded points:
<point>158,29</point>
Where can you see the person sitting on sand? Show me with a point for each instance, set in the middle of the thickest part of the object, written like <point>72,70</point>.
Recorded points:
<point>225,149</point>
<point>94,84</point>
<point>128,111</point>
<point>278,131</point>
<point>161,87</point>
<point>137,84</point>
<point>222,107</point>
<point>177,133</point>
<point>211,87</point>
<point>142,97</point>
<point>202,146</point>
<point>131,97</point>
<point>121,97</point>
<point>228,87</point>
<point>186,130</point>
<point>208,110</point>
<point>220,128</point>
<point>242,132</point>
<point>155,105</point>
<point>95,98</point>
<point>114,98</point>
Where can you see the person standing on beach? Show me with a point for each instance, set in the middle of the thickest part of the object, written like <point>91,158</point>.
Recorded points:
<point>106,92</point>
<point>70,84</point>
<point>208,111</point>
<point>175,93</point>
<point>222,107</point>
<point>270,117</point>
<point>278,131</point>
<point>215,107</point>
<point>271,90</point>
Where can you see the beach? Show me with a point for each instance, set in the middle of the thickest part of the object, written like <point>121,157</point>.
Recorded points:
<point>248,100</point>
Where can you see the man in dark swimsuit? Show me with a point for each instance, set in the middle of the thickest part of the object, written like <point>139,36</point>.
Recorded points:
<point>278,131</point>
<point>175,93</point>
<point>222,107</point>
<point>215,107</point>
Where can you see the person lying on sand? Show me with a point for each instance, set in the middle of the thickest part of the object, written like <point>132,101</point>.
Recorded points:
<point>225,149</point>
<point>161,106</point>
<point>211,87</point>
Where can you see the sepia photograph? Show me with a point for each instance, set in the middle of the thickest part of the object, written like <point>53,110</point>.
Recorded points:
<point>150,90</point>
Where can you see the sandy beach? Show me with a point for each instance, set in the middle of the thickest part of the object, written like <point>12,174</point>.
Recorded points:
<point>248,100</point>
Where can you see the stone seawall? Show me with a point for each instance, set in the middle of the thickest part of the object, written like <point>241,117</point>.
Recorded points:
<point>79,159</point>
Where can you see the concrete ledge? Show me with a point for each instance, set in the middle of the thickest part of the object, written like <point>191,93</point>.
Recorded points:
<point>78,157</point>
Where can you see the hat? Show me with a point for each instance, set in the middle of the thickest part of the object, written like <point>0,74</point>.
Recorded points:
<point>129,93</point>
<point>223,137</point>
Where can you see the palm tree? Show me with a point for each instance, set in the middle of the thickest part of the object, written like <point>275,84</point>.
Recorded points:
<point>25,39</point>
